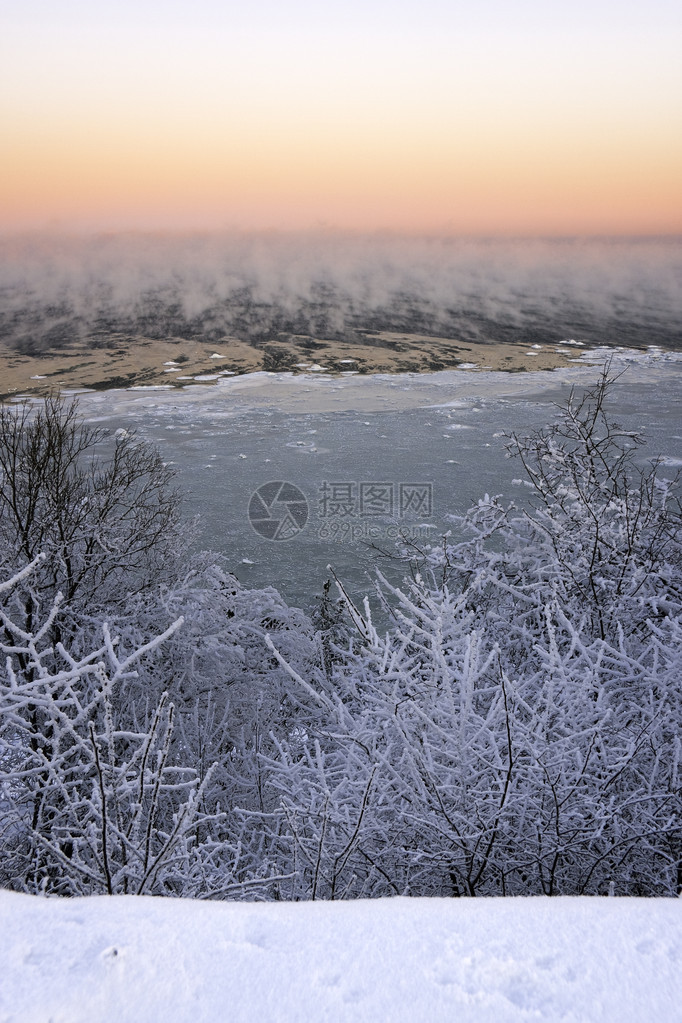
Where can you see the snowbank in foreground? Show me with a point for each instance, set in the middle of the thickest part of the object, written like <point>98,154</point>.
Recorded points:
<point>114,960</point>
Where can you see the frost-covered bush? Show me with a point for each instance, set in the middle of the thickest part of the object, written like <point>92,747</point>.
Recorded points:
<point>104,517</point>
<point>517,730</point>
<point>95,798</point>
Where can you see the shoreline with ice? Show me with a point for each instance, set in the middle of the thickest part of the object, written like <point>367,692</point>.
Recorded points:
<point>289,392</point>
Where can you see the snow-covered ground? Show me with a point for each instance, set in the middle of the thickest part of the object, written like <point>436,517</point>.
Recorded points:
<point>139,960</point>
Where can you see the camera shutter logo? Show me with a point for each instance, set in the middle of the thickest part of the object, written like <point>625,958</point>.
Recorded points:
<point>278,510</point>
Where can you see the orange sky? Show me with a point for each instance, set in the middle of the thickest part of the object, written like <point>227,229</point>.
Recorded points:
<point>408,118</point>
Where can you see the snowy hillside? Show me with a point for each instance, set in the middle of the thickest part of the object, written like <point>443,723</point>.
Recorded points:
<point>142,960</point>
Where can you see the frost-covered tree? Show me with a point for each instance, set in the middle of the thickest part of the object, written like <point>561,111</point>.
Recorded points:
<point>517,729</point>
<point>103,510</point>
<point>89,805</point>
<point>609,527</point>
<point>103,514</point>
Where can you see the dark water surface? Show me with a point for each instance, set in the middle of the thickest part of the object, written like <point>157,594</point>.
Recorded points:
<point>365,474</point>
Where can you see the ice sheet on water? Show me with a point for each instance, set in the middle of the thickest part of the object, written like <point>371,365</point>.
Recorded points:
<point>445,430</point>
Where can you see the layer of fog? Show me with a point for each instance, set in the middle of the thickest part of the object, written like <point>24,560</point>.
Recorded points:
<point>262,286</point>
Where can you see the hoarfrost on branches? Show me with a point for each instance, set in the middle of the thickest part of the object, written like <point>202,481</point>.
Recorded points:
<point>515,730</point>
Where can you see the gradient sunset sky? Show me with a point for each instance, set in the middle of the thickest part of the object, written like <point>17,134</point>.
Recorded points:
<point>487,117</point>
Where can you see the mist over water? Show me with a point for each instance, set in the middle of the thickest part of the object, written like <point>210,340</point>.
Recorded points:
<point>263,287</point>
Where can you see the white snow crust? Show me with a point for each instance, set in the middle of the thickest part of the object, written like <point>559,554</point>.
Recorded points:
<point>128,959</point>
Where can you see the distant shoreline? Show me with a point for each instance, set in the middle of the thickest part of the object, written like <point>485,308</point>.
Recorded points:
<point>179,363</point>
<point>307,392</point>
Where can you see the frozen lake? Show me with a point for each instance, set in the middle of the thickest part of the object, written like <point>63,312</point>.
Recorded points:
<point>366,457</point>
